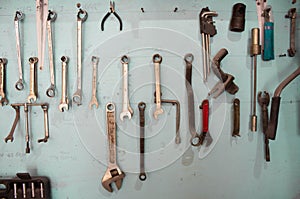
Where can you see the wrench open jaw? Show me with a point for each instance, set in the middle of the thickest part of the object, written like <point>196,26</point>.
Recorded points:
<point>112,175</point>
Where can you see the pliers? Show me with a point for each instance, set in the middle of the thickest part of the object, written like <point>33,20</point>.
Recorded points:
<point>112,10</point>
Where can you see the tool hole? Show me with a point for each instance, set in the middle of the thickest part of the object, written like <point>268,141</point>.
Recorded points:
<point>157,58</point>
<point>110,107</point>
<point>195,141</point>
<point>2,187</point>
<point>125,59</point>
<point>189,58</point>
<point>63,58</point>
<point>142,105</point>
<point>142,177</point>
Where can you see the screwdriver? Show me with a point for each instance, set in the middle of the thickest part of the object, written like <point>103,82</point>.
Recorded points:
<point>255,50</point>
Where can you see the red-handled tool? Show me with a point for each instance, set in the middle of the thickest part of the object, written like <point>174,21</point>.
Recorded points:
<point>205,122</point>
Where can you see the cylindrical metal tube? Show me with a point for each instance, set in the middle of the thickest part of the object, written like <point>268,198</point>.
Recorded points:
<point>255,48</point>
<point>237,22</point>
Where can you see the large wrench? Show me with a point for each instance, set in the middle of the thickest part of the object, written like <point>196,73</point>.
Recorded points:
<point>12,131</point>
<point>157,59</point>
<point>292,14</point>
<point>126,110</point>
<point>195,139</point>
<point>81,17</point>
<point>46,123</point>
<point>64,102</point>
<point>19,17</point>
<point>3,100</point>
<point>113,172</point>
<point>51,90</point>
<point>33,84</point>
<point>142,107</point>
<point>94,101</point>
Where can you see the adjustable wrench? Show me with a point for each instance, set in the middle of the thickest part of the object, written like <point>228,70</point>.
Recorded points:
<point>205,119</point>
<point>33,84</point>
<point>3,100</point>
<point>46,123</point>
<point>126,110</point>
<point>19,17</point>
<point>51,18</point>
<point>12,131</point>
<point>81,17</point>
<point>142,107</point>
<point>157,59</point>
<point>113,172</point>
<point>195,139</point>
<point>292,14</point>
<point>94,101</point>
<point>64,102</point>
<point>27,128</point>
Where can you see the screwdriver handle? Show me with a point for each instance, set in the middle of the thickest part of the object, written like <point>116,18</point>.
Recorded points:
<point>268,53</point>
<point>272,126</point>
<point>205,115</point>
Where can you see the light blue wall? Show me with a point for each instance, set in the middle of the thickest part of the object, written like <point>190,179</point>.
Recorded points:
<point>75,156</point>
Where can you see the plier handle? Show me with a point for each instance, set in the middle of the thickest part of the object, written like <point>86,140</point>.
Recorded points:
<point>112,10</point>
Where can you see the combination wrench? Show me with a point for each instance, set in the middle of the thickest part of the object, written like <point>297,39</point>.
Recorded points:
<point>142,107</point>
<point>113,172</point>
<point>292,14</point>
<point>81,17</point>
<point>19,17</point>
<point>157,59</point>
<point>51,18</point>
<point>33,80</point>
<point>64,102</point>
<point>195,139</point>
<point>46,123</point>
<point>94,101</point>
<point>3,63</point>
<point>12,131</point>
<point>126,110</point>
<point>27,128</point>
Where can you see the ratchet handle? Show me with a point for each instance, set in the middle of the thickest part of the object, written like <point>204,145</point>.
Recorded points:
<point>205,115</point>
<point>268,53</point>
<point>272,126</point>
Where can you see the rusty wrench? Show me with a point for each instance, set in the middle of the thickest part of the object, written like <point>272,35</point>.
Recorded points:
<point>3,63</point>
<point>292,14</point>
<point>142,107</point>
<point>12,131</point>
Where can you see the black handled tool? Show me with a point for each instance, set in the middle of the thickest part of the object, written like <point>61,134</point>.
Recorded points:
<point>112,10</point>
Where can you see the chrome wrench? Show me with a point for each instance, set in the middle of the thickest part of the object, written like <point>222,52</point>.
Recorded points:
<point>126,110</point>
<point>142,107</point>
<point>3,100</point>
<point>64,102</point>
<point>157,59</point>
<point>33,84</point>
<point>27,128</point>
<point>46,123</point>
<point>94,101</point>
<point>81,17</point>
<point>113,172</point>
<point>19,17</point>
<point>51,18</point>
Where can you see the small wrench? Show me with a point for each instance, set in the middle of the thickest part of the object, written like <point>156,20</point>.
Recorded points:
<point>27,128</point>
<point>12,131</point>
<point>94,101</point>
<point>142,107</point>
<point>46,123</point>
<point>64,102</point>
<point>264,100</point>
<point>292,14</point>
<point>126,110</point>
<point>51,18</point>
<point>113,172</point>
<point>81,17</point>
<point>33,84</point>
<point>3,63</point>
<point>157,59</point>
<point>19,17</point>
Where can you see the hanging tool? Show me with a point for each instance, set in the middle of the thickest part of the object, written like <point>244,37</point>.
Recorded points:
<point>27,128</point>
<point>157,59</point>
<point>207,30</point>
<point>46,123</point>
<point>255,50</point>
<point>142,107</point>
<point>260,9</point>
<point>112,10</point>
<point>12,131</point>
<point>292,14</point>
<point>19,17</point>
<point>64,101</point>
<point>237,22</point>
<point>51,18</point>
<point>82,15</point>
<point>3,96</point>
<point>205,120</point>
<point>236,118</point>
<point>272,126</point>
<point>41,19</point>
<point>264,100</point>
<point>94,100</point>
<point>268,49</point>
<point>33,80</point>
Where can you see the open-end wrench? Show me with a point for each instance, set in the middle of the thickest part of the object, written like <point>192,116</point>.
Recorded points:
<point>142,107</point>
<point>126,110</point>
<point>27,128</point>
<point>12,131</point>
<point>33,84</point>
<point>292,14</point>
<point>51,90</point>
<point>195,139</point>
<point>81,17</point>
<point>113,172</point>
<point>3,63</point>
<point>41,19</point>
<point>64,102</point>
<point>46,123</point>
<point>205,120</point>
<point>94,101</point>
<point>19,17</point>
<point>157,59</point>
<point>264,100</point>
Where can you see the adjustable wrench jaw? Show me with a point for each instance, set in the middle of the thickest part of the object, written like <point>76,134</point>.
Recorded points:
<point>113,174</point>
